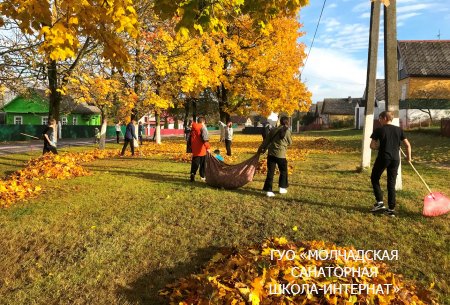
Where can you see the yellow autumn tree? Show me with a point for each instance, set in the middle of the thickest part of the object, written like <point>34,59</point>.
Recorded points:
<point>215,15</point>
<point>173,67</point>
<point>104,91</point>
<point>261,70</point>
<point>190,65</point>
<point>64,31</point>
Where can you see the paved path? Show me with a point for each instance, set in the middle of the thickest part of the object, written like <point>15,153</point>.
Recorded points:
<point>33,145</point>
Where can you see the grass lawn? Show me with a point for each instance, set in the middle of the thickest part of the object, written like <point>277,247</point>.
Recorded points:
<point>137,224</point>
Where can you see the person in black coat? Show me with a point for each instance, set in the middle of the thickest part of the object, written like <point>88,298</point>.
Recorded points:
<point>130,136</point>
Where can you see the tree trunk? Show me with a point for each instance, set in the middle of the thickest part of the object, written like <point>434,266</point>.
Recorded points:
<point>55,96</point>
<point>222,96</point>
<point>224,116</point>
<point>158,127</point>
<point>194,109</point>
<point>137,86</point>
<point>103,132</point>
<point>186,113</point>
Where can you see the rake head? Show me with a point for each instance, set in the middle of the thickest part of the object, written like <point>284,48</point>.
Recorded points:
<point>435,204</point>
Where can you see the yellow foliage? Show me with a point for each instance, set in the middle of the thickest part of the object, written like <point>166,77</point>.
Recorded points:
<point>20,185</point>
<point>60,24</point>
<point>238,278</point>
<point>261,72</point>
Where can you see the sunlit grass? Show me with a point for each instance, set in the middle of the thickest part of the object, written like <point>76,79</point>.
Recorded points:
<point>137,224</point>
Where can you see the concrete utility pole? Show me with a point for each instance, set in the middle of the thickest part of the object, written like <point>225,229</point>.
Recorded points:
<point>371,83</point>
<point>391,69</point>
<point>390,75</point>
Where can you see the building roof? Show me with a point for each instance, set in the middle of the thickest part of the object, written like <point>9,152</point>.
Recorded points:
<point>379,93</point>
<point>36,101</point>
<point>319,106</point>
<point>340,106</point>
<point>425,57</point>
<point>27,104</point>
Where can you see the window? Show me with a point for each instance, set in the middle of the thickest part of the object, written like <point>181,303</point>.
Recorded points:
<point>75,121</point>
<point>64,120</point>
<point>44,120</point>
<point>18,120</point>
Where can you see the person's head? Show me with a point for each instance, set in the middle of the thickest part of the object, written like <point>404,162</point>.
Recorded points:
<point>52,122</point>
<point>201,120</point>
<point>217,151</point>
<point>229,124</point>
<point>140,123</point>
<point>284,122</point>
<point>385,117</point>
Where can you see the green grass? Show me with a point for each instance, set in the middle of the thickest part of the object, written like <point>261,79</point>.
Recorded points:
<point>135,225</point>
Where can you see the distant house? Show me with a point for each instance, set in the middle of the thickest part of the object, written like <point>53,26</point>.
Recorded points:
<point>378,108</point>
<point>339,111</point>
<point>33,109</point>
<point>422,64</point>
<point>318,114</point>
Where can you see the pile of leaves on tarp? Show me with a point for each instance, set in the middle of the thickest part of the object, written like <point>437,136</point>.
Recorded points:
<point>20,186</point>
<point>256,275</point>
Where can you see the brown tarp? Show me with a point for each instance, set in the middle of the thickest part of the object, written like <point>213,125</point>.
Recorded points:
<point>220,174</point>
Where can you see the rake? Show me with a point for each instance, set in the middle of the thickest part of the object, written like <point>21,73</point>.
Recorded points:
<point>434,204</point>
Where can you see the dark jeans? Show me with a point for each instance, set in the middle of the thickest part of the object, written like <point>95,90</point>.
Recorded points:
<point>140,138</point>
<point>117,135</point>
<point>378,168</point>
<point>49,148</point>
<point>196,163</point>
<point>125,144</point>
<point>272,162</point>
<point>228,147</point>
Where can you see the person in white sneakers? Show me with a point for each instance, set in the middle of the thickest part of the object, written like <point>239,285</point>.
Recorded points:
<point>276,143</point>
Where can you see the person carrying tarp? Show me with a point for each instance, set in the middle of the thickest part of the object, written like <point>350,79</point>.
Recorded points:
<point>228,137</point>
<point>276,143</point>
<point>200,146</point>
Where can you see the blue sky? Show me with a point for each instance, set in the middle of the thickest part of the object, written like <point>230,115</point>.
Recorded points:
<point>337,64</point>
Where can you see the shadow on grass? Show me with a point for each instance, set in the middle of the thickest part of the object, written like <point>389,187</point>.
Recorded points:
<point>146,288</point>
<point>339,204</point>
<point>364,190</point>
<point>152,176</point>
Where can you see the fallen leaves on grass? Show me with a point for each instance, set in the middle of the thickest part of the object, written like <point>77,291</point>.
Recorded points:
<point>252,275</point>
<point>19,185</point>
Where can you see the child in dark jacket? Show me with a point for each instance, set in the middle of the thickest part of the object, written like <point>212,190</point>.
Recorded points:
<point>130,136</point>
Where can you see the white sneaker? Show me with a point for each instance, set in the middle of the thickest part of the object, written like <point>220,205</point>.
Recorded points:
<point>283,191</point>
<point>270,194</point>
<point>203,179</point>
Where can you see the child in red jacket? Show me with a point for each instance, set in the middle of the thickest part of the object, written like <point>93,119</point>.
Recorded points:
<point>200,145</point>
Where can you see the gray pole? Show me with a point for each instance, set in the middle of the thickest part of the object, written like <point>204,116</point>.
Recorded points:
<point>371,82</point>
<point>391,69</point>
